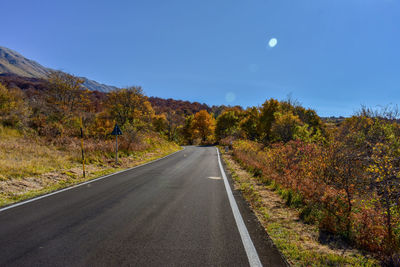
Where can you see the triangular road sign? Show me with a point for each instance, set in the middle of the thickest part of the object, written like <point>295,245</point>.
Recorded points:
<point>117,130</point>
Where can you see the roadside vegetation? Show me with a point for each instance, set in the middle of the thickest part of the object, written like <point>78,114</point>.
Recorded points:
<point>302,244</point>
<point>343,178</point>
<point>32,166</point>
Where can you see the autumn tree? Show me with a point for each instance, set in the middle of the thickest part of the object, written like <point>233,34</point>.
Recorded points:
<point>267,117</point>
<point>203,126</point>
<point>228,124</point>
<point>311,118</point>
<point>250,124</point>
<point>66,100</point>
<point>100,126</point>
<point>160,123</point>
<point>375,135</point>
<point>129,105</point>
<point>169,124</point>
<point>384,171</point>
<point>284,126</point>
<point>13,109</point>
<point>345,171</point>
<point>173,122</point>
<point>187,130</point>
<point>287,120</point>
<point>66,93</point>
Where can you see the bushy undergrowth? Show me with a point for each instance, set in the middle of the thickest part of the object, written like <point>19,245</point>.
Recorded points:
<point>301,244</point>
<point>302,173</point>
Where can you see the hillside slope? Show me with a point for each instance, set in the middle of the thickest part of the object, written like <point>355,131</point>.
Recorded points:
<point>11,62</point>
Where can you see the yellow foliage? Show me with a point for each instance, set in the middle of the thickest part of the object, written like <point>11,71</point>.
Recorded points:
<point>203,126</point>
<point>129,104</point>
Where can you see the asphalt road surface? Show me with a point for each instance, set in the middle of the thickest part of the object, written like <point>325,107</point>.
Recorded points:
<point>172,212</point>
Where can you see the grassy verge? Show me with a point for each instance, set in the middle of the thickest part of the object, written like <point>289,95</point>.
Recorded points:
<point>29,167</point>
<point>302,244</point>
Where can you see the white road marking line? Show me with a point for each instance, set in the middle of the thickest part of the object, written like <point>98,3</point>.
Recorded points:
<point>214,178</point>
<point>84,183</point>
<point>251,251</point>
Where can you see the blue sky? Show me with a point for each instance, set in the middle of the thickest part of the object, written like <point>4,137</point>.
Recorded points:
<point>332,56</point>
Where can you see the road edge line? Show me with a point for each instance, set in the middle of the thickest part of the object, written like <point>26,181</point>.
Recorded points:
<point>83,183</point>
<point>249,247</point>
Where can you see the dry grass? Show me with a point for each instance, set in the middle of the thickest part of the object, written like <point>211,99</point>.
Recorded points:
<point>20,156</point>
<point>29,166</point>
<point>302,244</point>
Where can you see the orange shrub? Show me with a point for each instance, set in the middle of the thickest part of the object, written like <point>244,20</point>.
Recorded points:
<point>305,169</point>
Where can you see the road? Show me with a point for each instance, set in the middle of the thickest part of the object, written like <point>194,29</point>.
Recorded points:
<point>172,212</point>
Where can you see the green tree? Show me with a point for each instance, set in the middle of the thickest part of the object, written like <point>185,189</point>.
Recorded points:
<point>228,124</point>
<point>187,131</point>
<point>285,126</point>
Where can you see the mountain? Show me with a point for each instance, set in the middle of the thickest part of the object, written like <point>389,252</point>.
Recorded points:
<point>95,86</point>
<point>11,62</point>
<point>14,63</point>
